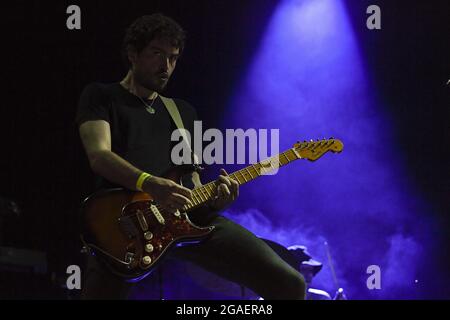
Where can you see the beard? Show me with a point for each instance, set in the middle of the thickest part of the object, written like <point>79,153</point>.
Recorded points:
<point>151,82</point>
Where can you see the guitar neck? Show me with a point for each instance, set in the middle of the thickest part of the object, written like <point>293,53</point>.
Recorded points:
<point>203,194</point>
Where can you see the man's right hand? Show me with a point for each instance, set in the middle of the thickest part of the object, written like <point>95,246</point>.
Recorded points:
<point>170,195</point>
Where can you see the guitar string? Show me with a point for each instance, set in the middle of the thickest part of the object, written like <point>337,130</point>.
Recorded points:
<point>148,212</point>
<point>241,171</point>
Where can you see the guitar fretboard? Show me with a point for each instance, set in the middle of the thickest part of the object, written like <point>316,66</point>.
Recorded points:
<point>203,194</point>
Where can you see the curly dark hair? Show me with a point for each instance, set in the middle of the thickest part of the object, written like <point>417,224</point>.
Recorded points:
<point>147,28</point>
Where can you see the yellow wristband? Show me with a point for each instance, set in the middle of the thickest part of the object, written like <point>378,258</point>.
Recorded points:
<point>140,180</point>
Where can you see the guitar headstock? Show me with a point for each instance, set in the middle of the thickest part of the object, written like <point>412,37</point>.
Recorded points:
<point>313,150</point>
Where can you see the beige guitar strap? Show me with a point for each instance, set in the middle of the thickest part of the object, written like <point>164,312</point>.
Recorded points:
<point>176,117</point>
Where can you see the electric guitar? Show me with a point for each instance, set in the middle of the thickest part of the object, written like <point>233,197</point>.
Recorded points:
<point>132,233</point>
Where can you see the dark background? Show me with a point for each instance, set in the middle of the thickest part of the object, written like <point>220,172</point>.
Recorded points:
<point>45,66</point>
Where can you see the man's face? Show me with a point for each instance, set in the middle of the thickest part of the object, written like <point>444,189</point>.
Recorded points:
<point>153,66</point>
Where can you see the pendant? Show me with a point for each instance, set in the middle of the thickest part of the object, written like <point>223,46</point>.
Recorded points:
<point>150,110</point>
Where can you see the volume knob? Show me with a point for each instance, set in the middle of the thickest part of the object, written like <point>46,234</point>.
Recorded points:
<point>146,260</point>
<point>148,235</point>
<point>148,247</point>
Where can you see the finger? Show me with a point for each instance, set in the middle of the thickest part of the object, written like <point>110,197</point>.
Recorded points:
<point>224,190</point>
<point>179,200</point>
<point>225,180</point>
<point>182,190</point>
<point>219,191</point>
<point>235,188</point>
<point>225,175</point>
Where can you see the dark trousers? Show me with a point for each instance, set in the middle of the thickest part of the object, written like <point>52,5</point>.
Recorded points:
<point>232,252</point>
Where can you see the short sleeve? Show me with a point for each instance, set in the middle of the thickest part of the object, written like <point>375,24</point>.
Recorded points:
<point>93,104</point>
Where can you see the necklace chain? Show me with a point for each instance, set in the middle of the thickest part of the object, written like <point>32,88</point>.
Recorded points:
<point>148,107</point>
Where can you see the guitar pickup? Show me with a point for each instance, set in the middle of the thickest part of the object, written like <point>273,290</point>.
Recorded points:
<point>157,214</point>
<point>142,221</point>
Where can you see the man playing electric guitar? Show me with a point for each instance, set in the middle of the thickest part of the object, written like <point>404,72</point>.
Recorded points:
<point>125,129</point>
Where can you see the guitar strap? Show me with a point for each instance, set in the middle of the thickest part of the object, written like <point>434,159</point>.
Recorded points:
<point>176,117</point>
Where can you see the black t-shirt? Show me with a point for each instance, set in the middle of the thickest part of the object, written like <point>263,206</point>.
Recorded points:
<point>141,138</point>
